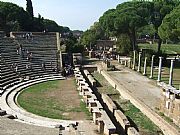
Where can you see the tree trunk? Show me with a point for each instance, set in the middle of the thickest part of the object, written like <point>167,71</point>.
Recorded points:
<point>132,36</point>
<point>159,45</point>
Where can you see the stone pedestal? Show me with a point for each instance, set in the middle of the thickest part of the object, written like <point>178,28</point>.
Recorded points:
<point>101,127</point>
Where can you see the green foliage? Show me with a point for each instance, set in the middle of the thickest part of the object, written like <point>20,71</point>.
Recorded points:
<point>127,18</point>
<point>146,30</point>
<point>15,18</point>
<point>90,36</point>
<point>73,45</point>
<point>123,45</point>
<point>29,8</point>
<point>170,27</point>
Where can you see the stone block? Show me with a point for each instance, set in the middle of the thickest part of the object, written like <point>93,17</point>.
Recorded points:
<point>2,112</point>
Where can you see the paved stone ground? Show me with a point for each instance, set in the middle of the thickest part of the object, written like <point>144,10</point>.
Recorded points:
<point>142,88</point>
<point>12,127</point>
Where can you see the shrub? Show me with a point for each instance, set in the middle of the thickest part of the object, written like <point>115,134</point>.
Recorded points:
<point>123,45</point>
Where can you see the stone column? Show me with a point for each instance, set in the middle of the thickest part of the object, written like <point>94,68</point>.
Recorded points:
<point>121,61</point>
<point>101,127</point>
<point>171,72</point>
<point>125,63</point>
<point>118,59</point>
<point>134,60</point>
<point>130,63</point>
<point>139,63</point>
<point>160,69</point>
<point>152,67</point>
<point>145,66</point>
<point>59,50</point>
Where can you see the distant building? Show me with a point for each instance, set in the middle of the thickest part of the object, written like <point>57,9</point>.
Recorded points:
<point>105,45</point>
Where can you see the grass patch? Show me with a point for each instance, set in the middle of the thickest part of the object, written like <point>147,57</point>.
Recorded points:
<point>44,99</point>
<point>103,85</point>
<point>166,48</point>
<point>143,123</point>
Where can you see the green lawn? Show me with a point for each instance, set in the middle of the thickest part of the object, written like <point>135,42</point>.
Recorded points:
<point>135,115</point>
<point>52,99</point>
<point>167,48</point>
<point>103,86</point>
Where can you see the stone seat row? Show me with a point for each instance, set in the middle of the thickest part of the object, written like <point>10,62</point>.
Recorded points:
<point>100,117</point>
<point>119,116</point>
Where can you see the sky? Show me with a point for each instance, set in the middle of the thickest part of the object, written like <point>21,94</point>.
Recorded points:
<point>75,14</point>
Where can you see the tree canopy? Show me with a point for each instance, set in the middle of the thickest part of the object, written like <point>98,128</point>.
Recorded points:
<point>15,18</point>
<point>170,27</point>
<point>133,19</point>
<point>29,8</point>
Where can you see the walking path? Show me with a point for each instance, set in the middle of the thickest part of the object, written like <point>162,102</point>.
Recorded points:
<point>141,91</point>
<point>140,86</point>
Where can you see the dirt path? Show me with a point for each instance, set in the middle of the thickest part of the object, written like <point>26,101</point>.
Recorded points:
<point>140,86</point>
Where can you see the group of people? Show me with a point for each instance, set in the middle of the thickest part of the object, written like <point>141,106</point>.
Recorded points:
<point>20,51</point>
<point>14,66</point>
<point>28,36</point>
<point>67,70</point>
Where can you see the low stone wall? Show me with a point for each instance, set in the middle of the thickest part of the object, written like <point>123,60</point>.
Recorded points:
<point>119,116</point>
<point>110,104</point>
<point>154,117</point>
<point>132,131</point>
<point>90,68</point>
<point>122,119</point>
<point>92,80</point>
<point>86,72</point>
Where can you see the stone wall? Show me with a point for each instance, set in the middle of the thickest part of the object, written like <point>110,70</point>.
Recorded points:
<point>170,106</point>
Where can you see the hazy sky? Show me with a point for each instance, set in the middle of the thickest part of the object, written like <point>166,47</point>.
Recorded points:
<point>76,14</point>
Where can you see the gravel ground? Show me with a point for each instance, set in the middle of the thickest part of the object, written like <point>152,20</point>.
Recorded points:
<point>141,87</point>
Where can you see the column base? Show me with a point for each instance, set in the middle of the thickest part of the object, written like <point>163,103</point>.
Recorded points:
<point>150,77</point>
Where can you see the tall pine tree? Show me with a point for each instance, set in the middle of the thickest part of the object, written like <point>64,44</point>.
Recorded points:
<point>29,8</point>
